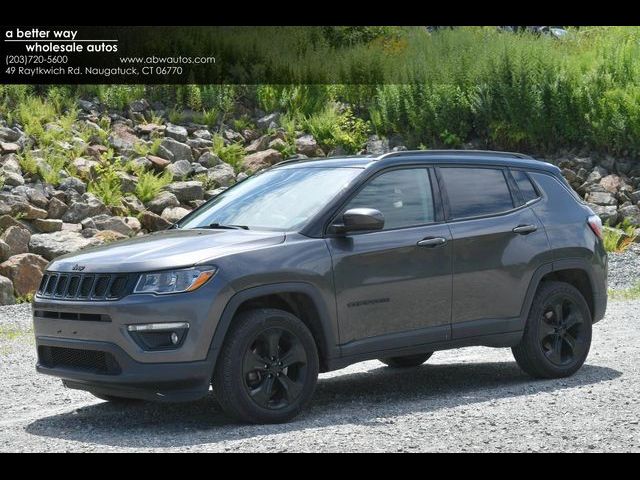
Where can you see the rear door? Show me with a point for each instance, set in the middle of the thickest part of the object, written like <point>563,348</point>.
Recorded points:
<point>498,243</point>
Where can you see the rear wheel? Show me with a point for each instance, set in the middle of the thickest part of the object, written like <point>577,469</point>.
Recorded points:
<point>268,367</point>
<point>406,361</point>
<point>557,335</point>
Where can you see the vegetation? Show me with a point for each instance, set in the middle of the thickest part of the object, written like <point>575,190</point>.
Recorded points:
<point>232,153</point>
<point>632,293</point>
<point>618,239</point>
<point>150,184</point>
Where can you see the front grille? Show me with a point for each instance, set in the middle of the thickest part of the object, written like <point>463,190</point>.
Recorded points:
<point>92,361</point>
<point>88,286</point>
<point>87,317</point>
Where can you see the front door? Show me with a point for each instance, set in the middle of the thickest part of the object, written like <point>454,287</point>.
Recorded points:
<point>394,284</point>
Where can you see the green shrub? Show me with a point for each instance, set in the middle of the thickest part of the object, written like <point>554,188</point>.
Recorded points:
<point>107,185</point>
<point>28,163</point>
<point>150,184</point>
<point>233,154</point>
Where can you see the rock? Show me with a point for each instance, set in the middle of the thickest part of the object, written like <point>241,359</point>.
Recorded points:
<point>85,167</point>
<point>73,183</point>
<point>277,144</point>
<point>133,204</point>
<point>376,145</point>
<point>71,227</point>
<point>266,121</point>
<point>259,160</point>
<point>180,169</point>
<point>34,196</point>
<point>116,224</point>
<point>6,147</point>
<point>307,145</point>
<point>180,151</point>
<point>176,132</point>
<point>596,175</point>
<point>12,179</point>
<point>608,162</point>
<point>96,151</point>
<point>199,143</point>
<point>56,208</point>
<point>9,135</point>
<point>601,198</point>
<point>5,251</point>
<point>158,163</point>
<point>186,191</point>
<point>25,271</point>
<point>635,196</point>
<point>89,232</point>
<point>214,193</point>
<point>153,222</point>
<point>6,291</point>
<point>241,176</point>
<point>139,106</point>
<point>123,138</point>
<point>196,168</point>
<point>48,225</point>
<point>161,201</point>
<point>222,175</point>
<point>6,221</point>
<point>52,245</point>
<point>233,136</point>
<point>133,223</point>
<point>209,159</point>
<point>143,163</point>
<point>608,214</point>
<point>173,214</point>
<point>612,183</point>
<point>128,182</point>
<point>630,213</point>
<point>89,223</point>
<point>258,145</point>
<point>88,206</point>
<point>163,152</point>
<point>108,236</point>
<point>17,238</point>
<point>203,134</point>
<point>569,175</point>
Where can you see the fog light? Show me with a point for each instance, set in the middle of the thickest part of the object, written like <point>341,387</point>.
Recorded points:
<point>159,336</point>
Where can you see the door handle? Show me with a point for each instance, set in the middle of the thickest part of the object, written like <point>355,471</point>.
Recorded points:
<point>432,242</point>
<point>525,229</point>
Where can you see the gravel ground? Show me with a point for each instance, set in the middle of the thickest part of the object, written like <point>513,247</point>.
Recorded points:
<point>624,268</point>
<point>474,399</point>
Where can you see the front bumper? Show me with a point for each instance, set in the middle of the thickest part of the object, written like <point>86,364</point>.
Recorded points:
<point>87,332</point>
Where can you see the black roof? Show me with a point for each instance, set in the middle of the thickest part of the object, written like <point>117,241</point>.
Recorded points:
<point>461,157</point>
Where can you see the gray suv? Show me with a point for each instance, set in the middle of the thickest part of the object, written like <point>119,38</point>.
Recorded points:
<point>311,266</point>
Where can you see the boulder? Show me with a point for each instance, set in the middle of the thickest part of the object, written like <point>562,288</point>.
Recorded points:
<point>179,150</point>
<point>25,271</point>
<point>88,206</point>
<point>601,198</point>
<point>258,144</point>
<point>52,245</point>
<point>153,222</point>
<point>173,214</point>
<point>12,179</point>
<point>186,191</point>
<point>630,213</point>
<point>180,169</point>
<point>17,238</point>
<point>108,236</point>
<point>608,214</point>
<point>268,121</point>
<point>8,147</point>
<point>48,225</point>
<point>5,251</point>
<point>203,134</point>
<point>208,159</point>
<point>376,145</point>
<point>158,163</point>
<point>9,135</point>
<point>73,183</point>
<point>307,145</point>
<point>161,201</point>
<point>133,204</point>
<point>123,138</point>
<point>34,196</point>
<point>16,205</point>
<point>56,208</point>
<point>6,291</point>
<point>133,223</point>
<point>116,224</point>
<point>85,167</point>
<point>128,182</point>
<point>260,160</point>
<point>612,183</point>
<point>222,175</point>
<point>176,132</point>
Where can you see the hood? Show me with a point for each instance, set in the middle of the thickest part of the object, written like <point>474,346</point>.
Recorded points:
<point>163,250</point>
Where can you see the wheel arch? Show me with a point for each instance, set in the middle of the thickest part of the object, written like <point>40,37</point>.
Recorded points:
<point>301,299</point>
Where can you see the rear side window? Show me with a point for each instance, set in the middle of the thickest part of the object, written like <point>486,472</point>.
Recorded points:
<point>476,191</point>
<point>403,196</point>
<point>527,189</point>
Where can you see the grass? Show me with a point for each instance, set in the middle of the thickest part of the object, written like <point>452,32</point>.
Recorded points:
<point>632,293</point>
<point>150,184</point>
<point>618,239</point>
<point>9,333</point>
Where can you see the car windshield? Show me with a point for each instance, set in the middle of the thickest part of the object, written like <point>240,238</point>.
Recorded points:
<point>282,199</point>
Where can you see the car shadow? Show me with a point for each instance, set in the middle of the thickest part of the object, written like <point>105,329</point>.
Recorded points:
<point>355,398</point>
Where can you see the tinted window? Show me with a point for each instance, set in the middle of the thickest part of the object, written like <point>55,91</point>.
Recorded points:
<point>403,196</point>
<point>524,184</point>
<point>476,191</point>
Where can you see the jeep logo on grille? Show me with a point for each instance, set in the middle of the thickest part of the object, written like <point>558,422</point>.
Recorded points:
<point>78,268</point>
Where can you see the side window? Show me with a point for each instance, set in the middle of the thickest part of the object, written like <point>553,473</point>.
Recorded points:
<point>476,191</point>
<point>403,196</point>
<point>524,184</point>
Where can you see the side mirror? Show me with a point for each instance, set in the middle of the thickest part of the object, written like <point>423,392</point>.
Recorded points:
<point>359,219</point>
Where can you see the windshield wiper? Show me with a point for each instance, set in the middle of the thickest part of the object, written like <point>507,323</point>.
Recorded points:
<point>227,227</point>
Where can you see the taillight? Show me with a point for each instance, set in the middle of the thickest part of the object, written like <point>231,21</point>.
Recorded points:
<point>596,225</point>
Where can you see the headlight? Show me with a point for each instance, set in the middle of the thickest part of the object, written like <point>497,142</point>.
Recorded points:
<point>174,281</point>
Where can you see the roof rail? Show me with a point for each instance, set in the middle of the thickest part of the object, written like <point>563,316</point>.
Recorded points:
<point>454,152</point>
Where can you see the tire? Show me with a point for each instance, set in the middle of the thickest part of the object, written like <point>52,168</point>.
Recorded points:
<point>557,334</point>
<point>268,367</point>
<point>115,399</point>
<point>406,361</point>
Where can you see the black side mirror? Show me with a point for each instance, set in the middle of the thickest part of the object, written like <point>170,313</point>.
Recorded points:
<point>358,220</point>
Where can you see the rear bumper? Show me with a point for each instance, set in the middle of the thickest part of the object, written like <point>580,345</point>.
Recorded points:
<point>180,381</point>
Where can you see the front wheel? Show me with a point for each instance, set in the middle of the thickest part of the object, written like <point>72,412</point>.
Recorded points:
<point>557,335</point>
<point>268,367</point>
<point>406,361</point>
